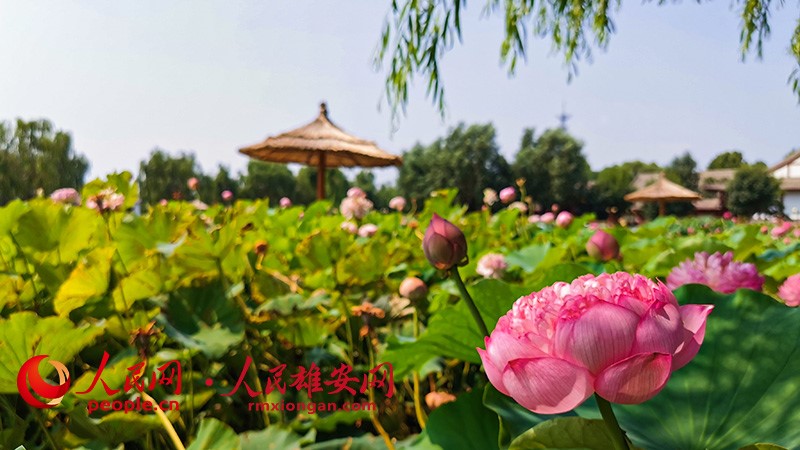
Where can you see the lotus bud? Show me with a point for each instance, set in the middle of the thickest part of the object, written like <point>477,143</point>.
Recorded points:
<point>413,289</point>
<point>444,244</point>
<point>564,219</point>
<point>508,195</point>
<point>602,246</point>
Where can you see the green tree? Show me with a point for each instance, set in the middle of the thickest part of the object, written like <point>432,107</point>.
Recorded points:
<point>267,180</point>
<point>613,183</point>
<point>365,180</point>
<point>223,181</point>
<point>417,34</point>
<point>554,168</point>
<point>727,160</point>
<point>33,155</point>
<point>467,159</point>
<point>754,190</point>
<point>165,177</point>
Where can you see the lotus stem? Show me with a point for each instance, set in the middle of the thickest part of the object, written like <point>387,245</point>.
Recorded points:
<point>470,303</point>
<point>173,435</point>
<point>417,403</point>
<point>617,434</point>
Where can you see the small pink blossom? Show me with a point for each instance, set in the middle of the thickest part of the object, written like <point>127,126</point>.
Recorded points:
<point>226,195</point>
<point>764,229</point>
<point>193,183</point>
<point>535,218</point>
<point>397,203</point>
<point>796,232</point>
<point>163,202</point>
<point>106,200</point>
<point>367,230</point>
<point>355,206</point>
<point>519,206</point>
<point>564,219</point>
<point>619,335</point>
<point>508,195</point>
<point>690,230</point>
<point>285,202</point>
<point>781,229</point>
<point>718,271</point>
<point>789,291</point>
<point>199,205</point>
<point>356,192</point>
<point>492,265</point>
<point>349,227</point>
<point>489,196</point>
<point>547,217</point>
<point>67,196</point>
<point>727,215</point>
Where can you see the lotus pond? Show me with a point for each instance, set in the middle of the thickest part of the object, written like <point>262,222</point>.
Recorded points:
<point>234,307</point>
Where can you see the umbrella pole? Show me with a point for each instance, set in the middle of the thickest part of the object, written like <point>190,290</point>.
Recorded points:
<point>321,177</point>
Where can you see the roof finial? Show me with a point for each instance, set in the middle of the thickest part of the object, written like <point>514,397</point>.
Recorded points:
<point>323,109</point>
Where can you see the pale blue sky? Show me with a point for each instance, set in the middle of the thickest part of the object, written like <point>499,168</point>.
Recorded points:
<point>213,76</point>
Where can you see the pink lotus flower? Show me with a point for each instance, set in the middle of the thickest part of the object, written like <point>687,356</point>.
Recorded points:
<point>619,335</point>
<point>547,217</point>
<point>444,244</point>
<point>564,219</point>
<point>535,218</point>
<point>717,271</point>
<point>602,246</point>
<point>413,288</point>
<point>781,229</point>
<point>367,230</point>
<point>193,183</point>
<point>397,203</point>
<point>355,207</point>
<point>199,205</point>
<point>508,195</point>
<point>106,200</point>
<point>349,227</point>
<point>163,202</point>
<point>764,229</point>
<point>690,230</point>
<point>789,291</point>
<point>226,195</point>
<point>67,196</point>
<point>285,202</point>
<point>492,265</point>
<point>489,196</point>
<point>727,215</point>
<point>796,232</point>
<point>520,206</point>
<point>356,192</point>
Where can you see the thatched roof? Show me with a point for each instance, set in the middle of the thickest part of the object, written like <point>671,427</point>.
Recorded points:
<point>306,144</point>
<point>663,190</point>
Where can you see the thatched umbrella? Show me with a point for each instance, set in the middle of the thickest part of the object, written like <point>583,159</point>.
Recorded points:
<point>663,191</point>
<point>321,144</point>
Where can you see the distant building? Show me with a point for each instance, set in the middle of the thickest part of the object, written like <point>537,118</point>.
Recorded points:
<point>715,182</point>
<point>788,172</point>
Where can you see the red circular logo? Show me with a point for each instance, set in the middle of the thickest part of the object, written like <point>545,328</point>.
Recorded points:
<point>29,382</point>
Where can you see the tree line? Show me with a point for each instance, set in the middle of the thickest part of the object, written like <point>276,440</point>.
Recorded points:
<point>36,158</point>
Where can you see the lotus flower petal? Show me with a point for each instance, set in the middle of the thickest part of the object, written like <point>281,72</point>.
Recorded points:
<point>635,379</point>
